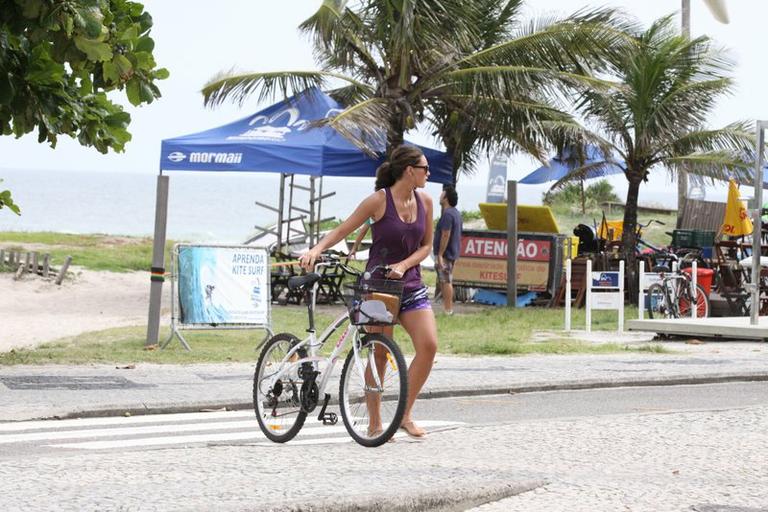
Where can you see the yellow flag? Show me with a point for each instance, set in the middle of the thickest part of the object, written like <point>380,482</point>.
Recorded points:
<point>737,221</point>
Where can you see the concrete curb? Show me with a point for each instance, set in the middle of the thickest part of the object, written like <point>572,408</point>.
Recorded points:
<point>439,393</point>
<point>454,500</point>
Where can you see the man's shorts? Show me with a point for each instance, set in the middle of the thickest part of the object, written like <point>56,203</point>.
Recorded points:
<point>445,273</point>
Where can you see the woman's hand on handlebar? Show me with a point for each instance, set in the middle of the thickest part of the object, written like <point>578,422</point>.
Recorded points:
<point>396,271</point>
<point>309,258</point>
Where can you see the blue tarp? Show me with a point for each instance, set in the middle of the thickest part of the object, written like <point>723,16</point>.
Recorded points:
<point>280,139</point>
<point>561,165</point>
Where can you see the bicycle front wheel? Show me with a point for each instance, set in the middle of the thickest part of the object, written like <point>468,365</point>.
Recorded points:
<point>373,390</point>
<point>278,404</point>
<point>701,301</point>
<point>657,302</point>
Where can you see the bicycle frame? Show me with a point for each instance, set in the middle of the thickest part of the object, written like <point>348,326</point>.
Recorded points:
<point>312,343</point>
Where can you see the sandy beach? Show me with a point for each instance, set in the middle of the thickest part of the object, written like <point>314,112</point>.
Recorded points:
<point>34,310</point>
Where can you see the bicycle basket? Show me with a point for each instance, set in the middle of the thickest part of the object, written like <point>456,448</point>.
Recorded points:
<point>373,301</point>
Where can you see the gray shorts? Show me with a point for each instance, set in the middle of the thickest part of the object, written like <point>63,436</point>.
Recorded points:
<point>445,274</point>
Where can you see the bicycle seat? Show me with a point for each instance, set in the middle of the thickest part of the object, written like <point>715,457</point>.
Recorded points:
<point>302,281</point>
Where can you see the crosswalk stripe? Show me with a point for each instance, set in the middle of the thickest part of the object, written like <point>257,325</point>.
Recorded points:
<point>199,438</point>
<point>312,429</point>
<point>127,431</point>
<point>121,420</point>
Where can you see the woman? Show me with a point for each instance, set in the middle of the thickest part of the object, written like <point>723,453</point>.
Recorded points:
<point>402,237</point>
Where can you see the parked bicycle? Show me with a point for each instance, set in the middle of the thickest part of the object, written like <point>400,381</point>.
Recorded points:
<point>291,377</point>
<point>673,296</point>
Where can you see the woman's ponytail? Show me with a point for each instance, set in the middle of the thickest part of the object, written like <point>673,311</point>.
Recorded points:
<point>393,168</point>
<point>384,176</point>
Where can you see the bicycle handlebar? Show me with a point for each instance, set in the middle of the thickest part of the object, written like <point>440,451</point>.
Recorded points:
<point>652,221</point>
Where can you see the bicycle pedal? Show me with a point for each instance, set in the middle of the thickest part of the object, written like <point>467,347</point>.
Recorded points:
<point>330,418</point>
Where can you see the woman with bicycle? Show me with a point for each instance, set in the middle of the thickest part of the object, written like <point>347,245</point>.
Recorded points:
<point>401,218</point>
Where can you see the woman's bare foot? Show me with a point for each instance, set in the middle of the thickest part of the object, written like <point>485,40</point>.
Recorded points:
<point>412,429</point>
<point>377,432</point>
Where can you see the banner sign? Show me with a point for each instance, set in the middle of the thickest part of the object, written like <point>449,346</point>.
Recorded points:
<point>605,279</point>
<point>497,180</point>
<point>483,260</point>
<point>496,248</point>
<point>223,285</point>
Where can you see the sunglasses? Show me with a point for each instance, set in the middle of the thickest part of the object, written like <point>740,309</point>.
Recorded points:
<point>425,167</point>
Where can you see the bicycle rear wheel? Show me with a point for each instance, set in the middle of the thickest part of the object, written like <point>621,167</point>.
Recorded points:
<point>371,412</point>
<point>278,406</point>
<point>701,301</point>
<point>657,302</point>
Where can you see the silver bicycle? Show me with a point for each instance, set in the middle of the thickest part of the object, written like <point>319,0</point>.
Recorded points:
<point>291,377</point>
<point>674,296</point>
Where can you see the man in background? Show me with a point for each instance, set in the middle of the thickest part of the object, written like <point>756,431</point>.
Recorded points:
<point>446,245</point>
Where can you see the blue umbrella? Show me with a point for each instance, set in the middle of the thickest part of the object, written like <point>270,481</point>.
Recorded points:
<point>566,161</point>
<point>561,165</point>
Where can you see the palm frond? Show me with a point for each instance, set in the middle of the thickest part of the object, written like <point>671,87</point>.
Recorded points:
<point>364,124</point>
<point>736,138</point>
<point>351,94</point>
<point>716,165</point>
<point>505,81</point>
<point>340,38</point>
<point>578,42</point>
<point>238,88</point>
<point>685,105</point>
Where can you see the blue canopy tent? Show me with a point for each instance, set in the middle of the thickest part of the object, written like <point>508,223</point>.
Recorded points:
<point>279,139</point>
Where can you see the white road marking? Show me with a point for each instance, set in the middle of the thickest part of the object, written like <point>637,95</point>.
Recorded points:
<point>122,420</point>
<point>124,432</point>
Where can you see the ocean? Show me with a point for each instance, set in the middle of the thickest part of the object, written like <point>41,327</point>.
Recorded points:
<point>203,207</point>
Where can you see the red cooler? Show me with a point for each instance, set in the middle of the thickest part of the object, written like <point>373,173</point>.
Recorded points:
<point>704,278</point>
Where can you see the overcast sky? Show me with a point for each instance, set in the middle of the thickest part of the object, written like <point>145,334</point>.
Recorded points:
<point>196,39</point>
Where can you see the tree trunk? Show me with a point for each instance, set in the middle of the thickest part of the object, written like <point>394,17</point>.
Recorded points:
<point>395,134</point>
<point>455,155</point>
<point>629,238</point>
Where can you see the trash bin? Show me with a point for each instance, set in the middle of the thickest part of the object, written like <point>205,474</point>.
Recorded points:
<point>704,278</point>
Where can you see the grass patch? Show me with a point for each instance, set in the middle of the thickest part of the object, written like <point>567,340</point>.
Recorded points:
<point>94,252</point>
<point>463,334</point>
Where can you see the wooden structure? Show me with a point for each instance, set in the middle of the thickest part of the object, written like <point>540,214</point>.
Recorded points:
<point>703,215</point>
<point>22,263</point>
<point>290,227</point>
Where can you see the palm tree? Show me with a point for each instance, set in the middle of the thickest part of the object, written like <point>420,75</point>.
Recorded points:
<point>656,118</point>
<point>481,77</point>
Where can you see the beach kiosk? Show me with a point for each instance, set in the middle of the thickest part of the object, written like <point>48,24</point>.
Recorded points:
<point>484,253</point>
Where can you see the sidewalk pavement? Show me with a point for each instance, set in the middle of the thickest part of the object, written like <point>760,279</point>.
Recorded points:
<point>58,391</point>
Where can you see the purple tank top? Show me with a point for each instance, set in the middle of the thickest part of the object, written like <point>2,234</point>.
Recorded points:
<point>395,240</point>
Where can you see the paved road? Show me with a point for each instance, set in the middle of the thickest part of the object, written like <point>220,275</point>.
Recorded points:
<point>658,448</point>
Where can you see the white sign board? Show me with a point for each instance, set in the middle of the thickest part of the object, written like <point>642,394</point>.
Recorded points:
<point>226,285</point>
<point>605,290</point>
<point>610,300</point>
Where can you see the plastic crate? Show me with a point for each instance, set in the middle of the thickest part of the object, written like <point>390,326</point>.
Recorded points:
<point>683,238</point>
<point>703,238</point>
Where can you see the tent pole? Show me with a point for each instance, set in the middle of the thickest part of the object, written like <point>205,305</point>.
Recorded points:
<point>290,216</point>
<point>158,261</point>
<point>280,205</point>
<point>319,208</point>
<point>312,211</point>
